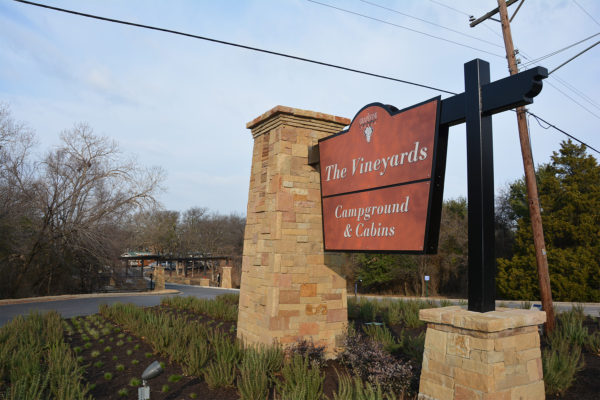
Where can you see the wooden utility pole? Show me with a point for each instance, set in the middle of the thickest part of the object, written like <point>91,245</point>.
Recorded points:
<point>530,180</point>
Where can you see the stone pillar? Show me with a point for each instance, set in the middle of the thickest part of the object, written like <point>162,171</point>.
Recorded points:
<point>290,289</point>
<point>484,356</point>
<point>226,277</point>
<point>159,278</point>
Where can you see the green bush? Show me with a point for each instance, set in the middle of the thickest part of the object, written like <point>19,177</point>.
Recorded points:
<point>560,363</point>
<point>355,389</point>
<point>36,363</point>
<point>197,355</point>
<point>135,382</point>
<point>301,380</point>
<point>259,365</point>
<point>381,334</point>
<point>220,373</point>
<point>562,359</point>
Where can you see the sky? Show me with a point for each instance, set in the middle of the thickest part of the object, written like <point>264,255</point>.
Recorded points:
<point>183,104</point>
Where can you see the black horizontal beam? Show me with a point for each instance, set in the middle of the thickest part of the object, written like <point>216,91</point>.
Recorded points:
<point>501,95</point>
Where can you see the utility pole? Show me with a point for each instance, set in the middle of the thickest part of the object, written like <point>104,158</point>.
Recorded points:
<point>530,180</point>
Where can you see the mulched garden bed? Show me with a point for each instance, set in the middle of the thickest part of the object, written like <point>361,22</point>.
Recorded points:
<point>125,356</point>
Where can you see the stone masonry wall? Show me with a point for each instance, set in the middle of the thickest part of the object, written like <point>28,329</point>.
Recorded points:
<point>482,356</point>
<point>290,289</point>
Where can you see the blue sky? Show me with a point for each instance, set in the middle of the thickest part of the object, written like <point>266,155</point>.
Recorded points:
<point>183,104</point>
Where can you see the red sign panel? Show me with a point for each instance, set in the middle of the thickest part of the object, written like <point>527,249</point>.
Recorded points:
<point>376,180</point>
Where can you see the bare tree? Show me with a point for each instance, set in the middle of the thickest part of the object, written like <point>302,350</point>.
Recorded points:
<point>80,195</point>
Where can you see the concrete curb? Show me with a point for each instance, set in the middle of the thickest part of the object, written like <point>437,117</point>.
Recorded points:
<point>85,296</point>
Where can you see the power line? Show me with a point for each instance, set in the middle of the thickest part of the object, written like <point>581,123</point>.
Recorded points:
<point>588,14</point>
<point>275,53</point>
<point>584,96</point>
<point>404,27</point>
<point>272,53</point>
<point>574,57</point>
<point>560,50</point>
<point>538,119</point>
<point>573,100</point>
<point>430,23</point>
<point>450,8</point>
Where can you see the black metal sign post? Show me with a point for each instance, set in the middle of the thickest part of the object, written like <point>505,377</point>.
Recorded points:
<point>475,106</point>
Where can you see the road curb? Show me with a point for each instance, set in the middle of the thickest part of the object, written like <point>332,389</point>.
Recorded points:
<point>85,296</point>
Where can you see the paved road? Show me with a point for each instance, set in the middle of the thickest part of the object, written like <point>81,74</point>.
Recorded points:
<point>86,306</point>
<point>591,309</point>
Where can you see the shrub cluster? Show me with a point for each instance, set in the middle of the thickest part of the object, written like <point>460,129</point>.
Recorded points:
<point>35,362</point>
<point>368,360</point>
<point>224,307</point>
<point>562,359</point>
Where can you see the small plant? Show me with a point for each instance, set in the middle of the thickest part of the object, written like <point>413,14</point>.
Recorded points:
<point>129,352</point>
<point>95,353</point>
<point>369,361</point>
<point>106,331</point>
<point>120,367</point>
<point>110,339</point>
<point>381,334</point>
<point>135,362</point>
<point>123,392</point>
<point>129,339</point>
<point>115,358</point>
<point>193,395</point>
<point>101,341</point>
<point>354,388</point>
<point>77,349</point>
<point>136,347</point>
<point>121,335</point>
<point>120,343</point>
<point>163,365</point>
<point>593,343</point>
<point>301,379</point>
<point>165,388</point>
<point>107,349</point>
<point>87,345</point>
<point>560,364</point>
<point>148,355</point>
<point>174,378</point>
<point>98,364</point>
<point>135,382</point>
<point>85,338</point>
<point>315,354</point>
<point>108,376</point>
<point>445,303</point>
<point>80,359</point>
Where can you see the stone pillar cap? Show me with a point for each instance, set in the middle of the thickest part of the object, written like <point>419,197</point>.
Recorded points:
<point>492,321</point>
<point>298,113</point>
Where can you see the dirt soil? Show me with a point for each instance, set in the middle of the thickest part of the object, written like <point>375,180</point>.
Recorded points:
<point>166,385</point>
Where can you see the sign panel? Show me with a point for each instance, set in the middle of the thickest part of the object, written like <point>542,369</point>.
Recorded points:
<point>378,180</point>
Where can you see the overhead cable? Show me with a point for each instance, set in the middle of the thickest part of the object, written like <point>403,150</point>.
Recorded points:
<point>431,23</point>
<point>535,61</point>
<point>538,119</point>
<point>405,27</point>
<point>588,14</point>
<point>275,53</point>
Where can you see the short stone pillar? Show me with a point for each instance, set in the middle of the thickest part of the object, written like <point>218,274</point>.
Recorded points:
<point>290,289</point>
<point>493,355</point>
<point>226,277</point>
<point>159,278</point>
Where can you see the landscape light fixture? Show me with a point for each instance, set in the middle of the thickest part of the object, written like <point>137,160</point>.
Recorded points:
<point>152,371</point>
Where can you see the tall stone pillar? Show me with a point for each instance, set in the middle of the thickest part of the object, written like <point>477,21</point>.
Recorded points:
<point>290,289</point>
